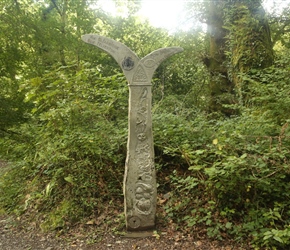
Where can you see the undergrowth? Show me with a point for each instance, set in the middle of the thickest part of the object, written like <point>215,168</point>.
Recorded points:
<point>226,176</point>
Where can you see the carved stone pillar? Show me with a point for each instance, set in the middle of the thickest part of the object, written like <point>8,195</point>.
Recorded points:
<point>140,192</point>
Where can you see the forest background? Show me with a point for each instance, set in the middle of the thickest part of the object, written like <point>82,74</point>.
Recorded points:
<point>220,116</point>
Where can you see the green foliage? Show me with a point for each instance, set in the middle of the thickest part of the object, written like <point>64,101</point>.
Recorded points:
<point>64,111</point>
<point>232,174</point>
<point>79,135</point>
<point>12,188</point>
<point>269,90</point>
<point>249,39</point>
<point>235,176</point>
<point>12,106</point>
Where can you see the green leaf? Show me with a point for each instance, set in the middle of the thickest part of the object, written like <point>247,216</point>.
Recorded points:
<point>277,238</point>
<point>208,222</point>
<point>269,235</point>
<point>196,168</point>
<point>244,156</point>
<point>69,179</point>
<point>229,225</point>
<point>199,151</point>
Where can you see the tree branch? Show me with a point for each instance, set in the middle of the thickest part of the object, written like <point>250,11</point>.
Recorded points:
<point>57,8</point>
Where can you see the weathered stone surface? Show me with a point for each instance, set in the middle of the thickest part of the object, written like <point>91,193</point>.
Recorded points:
<point>140,192</point>
<point>141,234</point>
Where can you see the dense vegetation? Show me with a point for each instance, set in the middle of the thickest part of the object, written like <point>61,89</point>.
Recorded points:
<point>220,114</point>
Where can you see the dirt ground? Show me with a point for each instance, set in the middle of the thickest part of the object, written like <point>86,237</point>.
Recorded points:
<point>15,235</point>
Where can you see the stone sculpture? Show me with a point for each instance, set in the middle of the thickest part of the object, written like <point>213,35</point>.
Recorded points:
<point>140,192</point>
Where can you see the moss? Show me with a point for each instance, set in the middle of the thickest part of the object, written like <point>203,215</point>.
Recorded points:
<point>57,219</point>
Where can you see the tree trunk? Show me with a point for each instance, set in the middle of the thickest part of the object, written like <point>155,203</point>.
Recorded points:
<point>239,40</point>
<point>221,87</point>
<point>63,15</point>
<point>250,44</point>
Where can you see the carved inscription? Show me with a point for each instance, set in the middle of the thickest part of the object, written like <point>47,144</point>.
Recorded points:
<point>104,43</point>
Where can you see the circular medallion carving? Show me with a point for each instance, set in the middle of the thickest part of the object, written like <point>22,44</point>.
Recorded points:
<point>134,222</point>
<point>150,63</point>
<point>127,63</point>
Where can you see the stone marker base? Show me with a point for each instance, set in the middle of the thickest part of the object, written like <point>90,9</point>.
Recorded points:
<point>143,234</point>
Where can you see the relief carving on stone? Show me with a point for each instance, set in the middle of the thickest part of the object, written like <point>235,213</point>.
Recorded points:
<point>144,189</point>
<point>140,75</point>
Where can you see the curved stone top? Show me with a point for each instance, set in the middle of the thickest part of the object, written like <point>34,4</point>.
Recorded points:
<point>137,71</point>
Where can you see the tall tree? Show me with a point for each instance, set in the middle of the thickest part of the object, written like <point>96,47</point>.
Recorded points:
<point>280,25</point>
<point>15,42</point>
<point>239,40</point>
<point>249,40</point>
<point>221,86</point>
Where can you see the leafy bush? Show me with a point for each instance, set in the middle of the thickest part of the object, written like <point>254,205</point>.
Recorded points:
<point>238,167</point>
<point>74,157</point>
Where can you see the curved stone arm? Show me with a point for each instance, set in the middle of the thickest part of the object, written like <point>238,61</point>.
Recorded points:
<point>155,58</point>
<point>135,70</point>
<point>125,57</point>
